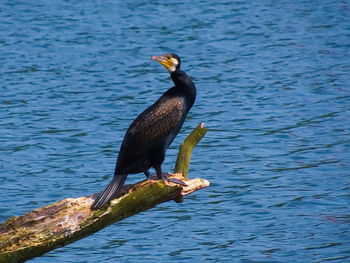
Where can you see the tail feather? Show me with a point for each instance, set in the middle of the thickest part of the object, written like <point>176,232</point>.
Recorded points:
<point>110,192</point>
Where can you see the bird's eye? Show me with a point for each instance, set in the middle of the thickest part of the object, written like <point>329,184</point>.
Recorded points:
<point>168,57</point>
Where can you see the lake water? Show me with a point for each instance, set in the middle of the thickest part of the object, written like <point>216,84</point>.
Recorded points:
<point>273,88</point>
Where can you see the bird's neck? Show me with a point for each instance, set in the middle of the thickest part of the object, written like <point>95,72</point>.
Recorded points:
<point>183,81</point>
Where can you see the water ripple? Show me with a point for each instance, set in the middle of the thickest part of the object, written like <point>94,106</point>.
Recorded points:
<point>272,81</point>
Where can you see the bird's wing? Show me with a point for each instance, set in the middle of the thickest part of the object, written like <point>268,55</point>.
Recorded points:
<point>151,127</point>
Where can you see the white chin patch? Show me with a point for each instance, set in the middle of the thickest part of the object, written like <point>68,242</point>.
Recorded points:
<point>171,69</point>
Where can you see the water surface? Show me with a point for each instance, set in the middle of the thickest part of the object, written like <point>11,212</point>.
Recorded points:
<point>273,89</point>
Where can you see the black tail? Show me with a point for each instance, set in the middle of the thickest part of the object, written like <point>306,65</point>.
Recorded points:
<point>110,192</point>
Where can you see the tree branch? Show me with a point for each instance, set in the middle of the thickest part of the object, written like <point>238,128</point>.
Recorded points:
<point>71,219</point>
<point>185,150</point>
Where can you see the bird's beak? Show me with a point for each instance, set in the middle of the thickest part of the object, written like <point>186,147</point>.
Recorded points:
<point>161,60</point>
<point>167,63</point>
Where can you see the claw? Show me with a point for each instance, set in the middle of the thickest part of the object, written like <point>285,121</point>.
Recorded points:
<point>176,181</point>
<point>165,177</point>
<point>173,180</point>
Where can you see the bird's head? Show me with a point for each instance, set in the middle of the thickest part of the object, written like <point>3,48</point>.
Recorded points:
<point>170,61</point>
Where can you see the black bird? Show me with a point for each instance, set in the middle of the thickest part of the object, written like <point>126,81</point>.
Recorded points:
<point>150,134</point>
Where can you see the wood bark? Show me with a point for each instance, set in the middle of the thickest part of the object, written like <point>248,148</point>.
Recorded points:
<point>44,229</point>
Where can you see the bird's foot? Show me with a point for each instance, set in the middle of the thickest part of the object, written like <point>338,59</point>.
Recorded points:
<point>165,176</point>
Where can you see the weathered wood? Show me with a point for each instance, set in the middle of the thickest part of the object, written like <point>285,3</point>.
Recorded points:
<point>61,223</point>
<point>66,221</point>
<point>185,151</point>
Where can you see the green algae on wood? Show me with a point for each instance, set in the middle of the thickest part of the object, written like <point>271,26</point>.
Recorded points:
<point>185,150</point>
<point>66,221</point>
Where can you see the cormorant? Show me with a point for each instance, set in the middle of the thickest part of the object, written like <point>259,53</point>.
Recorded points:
<point>150,134</point>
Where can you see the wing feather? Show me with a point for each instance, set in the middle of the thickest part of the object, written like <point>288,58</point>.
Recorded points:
<point>151,127</point>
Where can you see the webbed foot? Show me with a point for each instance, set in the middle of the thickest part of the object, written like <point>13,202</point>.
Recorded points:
<point>165,176</point>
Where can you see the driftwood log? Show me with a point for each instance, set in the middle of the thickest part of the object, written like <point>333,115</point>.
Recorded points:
<point>44,229</point>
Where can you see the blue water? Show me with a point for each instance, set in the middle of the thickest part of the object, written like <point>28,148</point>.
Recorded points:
<point>273,88</point>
